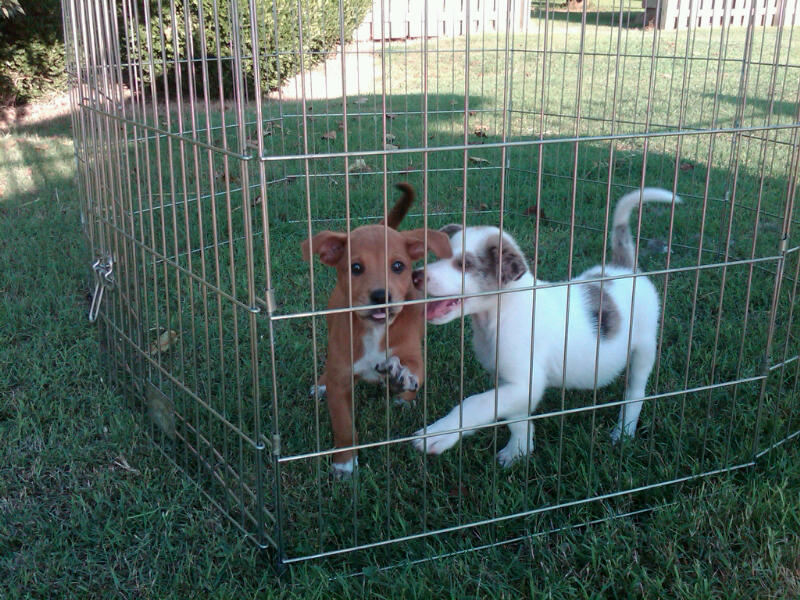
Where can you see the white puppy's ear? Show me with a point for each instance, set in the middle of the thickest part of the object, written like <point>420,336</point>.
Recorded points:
<point>330,246</point>
<point>438,243</point>
<point>512,265</point>
<point>451,229</point>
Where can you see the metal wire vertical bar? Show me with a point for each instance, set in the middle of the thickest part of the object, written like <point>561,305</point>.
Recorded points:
<point>185,168</point>
<point>573,194</point>
<point>173,203</point>
<point>604,254</point>
<point>761,163</point>
<point>647,125</point>
<point>135,298</point>
<point>239,92</point>
<point>712,125</point>
<point>686,70</point>
<point>100,60</point>
<point>231,260</point>
<point>160,194</point>
<point>785,231</point>
<point>222,395</point>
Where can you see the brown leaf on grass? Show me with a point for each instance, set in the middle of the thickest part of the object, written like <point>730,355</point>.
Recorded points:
<point>685,166</point>
<point>534,209</point>
<point>164,342</point>
<point>230,178</point>
<point>483,206</point>
<point>330,135</point>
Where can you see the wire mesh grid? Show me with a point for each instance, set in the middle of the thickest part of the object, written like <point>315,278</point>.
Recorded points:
<point>202,177</point>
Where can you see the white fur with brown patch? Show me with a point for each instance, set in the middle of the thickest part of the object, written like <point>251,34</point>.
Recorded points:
<point>503,326</point>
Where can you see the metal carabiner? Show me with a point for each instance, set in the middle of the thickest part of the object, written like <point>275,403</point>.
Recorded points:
<point>103,269</point>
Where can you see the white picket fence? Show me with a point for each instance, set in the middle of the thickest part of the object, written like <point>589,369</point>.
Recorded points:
<point>404,19</point>
<point>683,14</point>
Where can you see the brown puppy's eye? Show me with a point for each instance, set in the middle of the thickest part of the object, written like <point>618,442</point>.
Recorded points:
<point>398,266</point>
<point>356,268</point>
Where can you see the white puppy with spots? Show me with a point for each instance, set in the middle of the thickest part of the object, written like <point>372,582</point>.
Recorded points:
<point>529,334</point>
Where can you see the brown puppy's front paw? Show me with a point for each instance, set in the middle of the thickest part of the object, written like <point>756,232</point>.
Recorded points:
<point>401,379</point>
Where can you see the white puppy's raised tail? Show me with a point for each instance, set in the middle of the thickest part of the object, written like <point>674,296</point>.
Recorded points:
<point>622,246</point>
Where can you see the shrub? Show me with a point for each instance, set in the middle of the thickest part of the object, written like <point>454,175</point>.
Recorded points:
<point>210,34</point>
<point>31,52</point>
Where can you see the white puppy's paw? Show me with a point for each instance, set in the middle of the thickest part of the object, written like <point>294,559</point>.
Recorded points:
<point>617,433</point>
<point>436,444</point>
<point>344,470</point>
<point>401,379</point>
<point>507,456</point>
<point>318,391</point>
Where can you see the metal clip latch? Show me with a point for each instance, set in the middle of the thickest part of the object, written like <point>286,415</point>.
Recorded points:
<point>103,269</point>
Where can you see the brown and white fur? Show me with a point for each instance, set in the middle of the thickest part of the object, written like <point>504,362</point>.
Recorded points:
<point>374,267</point>
<point>525,367</point>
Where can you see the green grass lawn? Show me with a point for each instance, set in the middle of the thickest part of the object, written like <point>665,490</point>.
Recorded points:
<point>89,506</point>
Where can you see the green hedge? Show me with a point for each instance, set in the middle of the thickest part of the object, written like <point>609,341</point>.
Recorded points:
<point>32,52</point>
<point>168,39</point>
<point>32,48</point>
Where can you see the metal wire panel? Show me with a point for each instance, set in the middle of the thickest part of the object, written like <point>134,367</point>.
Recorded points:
<point>201,180</point>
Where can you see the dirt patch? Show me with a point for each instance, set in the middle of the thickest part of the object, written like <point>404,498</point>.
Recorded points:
<point>35,112</point>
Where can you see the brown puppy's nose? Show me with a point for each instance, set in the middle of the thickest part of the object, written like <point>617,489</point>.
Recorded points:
<point>418,278</point>
<point>380,297</point>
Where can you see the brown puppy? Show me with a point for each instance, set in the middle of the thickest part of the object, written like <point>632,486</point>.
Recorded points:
<point>380,269</point>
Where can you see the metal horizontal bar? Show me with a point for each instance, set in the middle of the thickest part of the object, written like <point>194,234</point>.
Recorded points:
<point>533,142</point>
<point>529,418</point>
<point>529,288</point>
<point>521,514</point>
<point>174,264</point>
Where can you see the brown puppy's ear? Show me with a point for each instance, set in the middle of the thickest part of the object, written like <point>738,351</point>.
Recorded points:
<point>330,246</point>
<point>451,229</point>
<point>438,243</point>
<point>512,264</point>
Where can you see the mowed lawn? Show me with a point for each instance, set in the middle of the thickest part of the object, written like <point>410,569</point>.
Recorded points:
<point>88,507</point>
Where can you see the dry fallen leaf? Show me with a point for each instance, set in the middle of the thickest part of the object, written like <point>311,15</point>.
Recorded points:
<point>330,135</point>
<point>478,160</point>
<point>390,147</point>
<point>534,209</point>
<point>164,341</point>
<point>358,165</point>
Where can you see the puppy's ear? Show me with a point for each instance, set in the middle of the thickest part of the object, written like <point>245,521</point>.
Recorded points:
<point>330,245</point>
<point>512,264</point>
<point>451,229</point>
<point>438,243</point>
